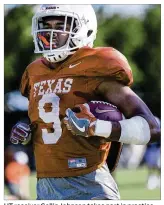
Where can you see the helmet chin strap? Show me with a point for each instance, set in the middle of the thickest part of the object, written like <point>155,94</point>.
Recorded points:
<point>62,55</point>
<point>54,58</point>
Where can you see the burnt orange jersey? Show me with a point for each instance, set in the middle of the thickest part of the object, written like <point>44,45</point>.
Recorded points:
<point>50,92</point>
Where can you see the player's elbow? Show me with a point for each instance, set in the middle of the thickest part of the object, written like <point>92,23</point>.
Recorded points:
<point>155,134</point>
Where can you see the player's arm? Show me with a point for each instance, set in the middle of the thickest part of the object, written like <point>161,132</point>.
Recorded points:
<point>21,131</point>
<point>140,127</point>
<point>140,121</point>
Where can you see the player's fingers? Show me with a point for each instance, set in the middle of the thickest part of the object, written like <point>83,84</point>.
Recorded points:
<point>13,140</point>
<point>24,126</point>
<point>20,132</point>
<point>17,136</point>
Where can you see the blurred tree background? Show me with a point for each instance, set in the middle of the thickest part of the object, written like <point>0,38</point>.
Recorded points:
<point>139,39</point>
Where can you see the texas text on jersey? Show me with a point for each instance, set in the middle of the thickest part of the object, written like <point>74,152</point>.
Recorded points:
<point>51,91</point>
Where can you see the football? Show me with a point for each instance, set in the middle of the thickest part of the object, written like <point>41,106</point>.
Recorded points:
<point>105,111</point>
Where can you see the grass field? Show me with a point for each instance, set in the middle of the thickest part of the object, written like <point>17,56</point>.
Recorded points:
<point>131,183</point>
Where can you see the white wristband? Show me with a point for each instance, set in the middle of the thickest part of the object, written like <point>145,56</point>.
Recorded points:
<point>135,131</point>
<point>103,128</point>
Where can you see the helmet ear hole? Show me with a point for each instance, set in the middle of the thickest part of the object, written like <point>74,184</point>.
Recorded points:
<point>89,33</point>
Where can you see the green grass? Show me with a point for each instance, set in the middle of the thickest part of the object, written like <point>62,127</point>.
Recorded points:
<point>131,183</point>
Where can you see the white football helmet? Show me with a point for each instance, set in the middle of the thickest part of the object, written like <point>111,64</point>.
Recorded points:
<point>82,31</point>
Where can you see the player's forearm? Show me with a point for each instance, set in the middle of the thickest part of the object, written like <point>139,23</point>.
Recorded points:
<point>135,130</point>
<point>141,126</point>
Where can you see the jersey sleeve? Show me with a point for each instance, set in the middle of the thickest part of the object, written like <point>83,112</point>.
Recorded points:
<point>24,85</point>
<point>110,63</point>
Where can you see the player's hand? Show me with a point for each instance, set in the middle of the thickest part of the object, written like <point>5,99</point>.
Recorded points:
<point>80,121</point>
<point>20,133</point>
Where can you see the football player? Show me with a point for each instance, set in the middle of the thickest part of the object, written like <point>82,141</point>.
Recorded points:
<point>72,73</point>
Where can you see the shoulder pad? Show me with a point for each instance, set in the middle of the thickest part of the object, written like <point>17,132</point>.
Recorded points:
<point>114,64</point>
<point>105,62</point>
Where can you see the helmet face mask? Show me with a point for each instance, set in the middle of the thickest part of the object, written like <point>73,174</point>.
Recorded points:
<point>74,30</point>
<point>53,32</point>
